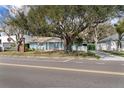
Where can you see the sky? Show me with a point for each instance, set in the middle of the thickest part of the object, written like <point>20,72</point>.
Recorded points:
<point>5,10</point>
<point>3,13</point>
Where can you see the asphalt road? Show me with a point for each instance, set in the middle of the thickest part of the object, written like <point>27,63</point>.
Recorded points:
<point>22,72</point>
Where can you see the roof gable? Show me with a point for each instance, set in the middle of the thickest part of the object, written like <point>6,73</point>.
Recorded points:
<point>46,39</point>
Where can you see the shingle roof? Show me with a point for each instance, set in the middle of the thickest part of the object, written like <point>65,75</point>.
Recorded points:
<point>46,39</point>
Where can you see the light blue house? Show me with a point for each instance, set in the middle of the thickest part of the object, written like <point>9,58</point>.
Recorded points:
<point>46,43</point>
<point>52,44</point>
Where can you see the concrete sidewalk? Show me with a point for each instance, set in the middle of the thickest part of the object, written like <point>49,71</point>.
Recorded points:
<point>108,56</point>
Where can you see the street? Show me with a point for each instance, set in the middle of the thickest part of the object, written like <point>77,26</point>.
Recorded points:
<point>23,72</point>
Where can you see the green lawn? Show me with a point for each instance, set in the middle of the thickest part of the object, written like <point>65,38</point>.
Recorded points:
<point>51,54</point>
<point>116,53</point>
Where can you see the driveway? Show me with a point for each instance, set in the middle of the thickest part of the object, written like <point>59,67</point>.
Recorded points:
<point>108,56</point>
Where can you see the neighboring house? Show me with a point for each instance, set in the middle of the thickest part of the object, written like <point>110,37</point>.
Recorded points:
<point>5,44</point>
<point>110,43</point>
<point>51,44</point>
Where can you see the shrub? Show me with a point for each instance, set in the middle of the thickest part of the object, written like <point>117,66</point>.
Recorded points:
<point>26,47</point>
<point>91,47</point>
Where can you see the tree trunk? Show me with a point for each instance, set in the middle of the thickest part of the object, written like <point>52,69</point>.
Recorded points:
<point>119,45</point>
<point>96,38</point>
<point>21,45</point>
<point>67,45</point>
<point>96,44</point>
